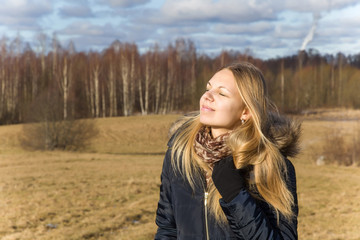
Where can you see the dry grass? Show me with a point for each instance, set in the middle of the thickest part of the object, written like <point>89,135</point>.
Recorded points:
<point>329,195</point>
<point>78,196</point>
<point>139,134</point>
<point>106,194</point>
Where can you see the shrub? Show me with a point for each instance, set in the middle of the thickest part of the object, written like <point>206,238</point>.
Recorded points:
<point>341,150</point>
<point>62,135</point>
<point>46,130</point>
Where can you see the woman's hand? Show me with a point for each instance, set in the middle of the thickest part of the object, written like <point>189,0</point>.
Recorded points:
<point>228,180</point>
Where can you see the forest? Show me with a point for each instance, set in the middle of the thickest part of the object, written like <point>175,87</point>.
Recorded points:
<point>123,81</point>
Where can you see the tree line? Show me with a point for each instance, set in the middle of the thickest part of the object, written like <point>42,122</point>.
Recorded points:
<point>121,81</point>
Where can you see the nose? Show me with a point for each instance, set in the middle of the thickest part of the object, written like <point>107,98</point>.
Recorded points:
<point>208,95</point>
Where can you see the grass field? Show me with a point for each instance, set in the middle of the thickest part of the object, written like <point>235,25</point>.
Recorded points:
<point>110,191</point>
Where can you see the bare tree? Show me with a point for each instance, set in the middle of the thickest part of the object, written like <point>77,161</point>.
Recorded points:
<point>340,59</point>
<point>149,72</point>
<point>158,76</point>
<point>16,50</point>
<point>3,78</point>
<point>282,80</point>
<point>110,58</point>
<point>125,63</point>
<point>64,82</point>
<point>92,84</point>
<point>133,75</point>
<point>171,68</point>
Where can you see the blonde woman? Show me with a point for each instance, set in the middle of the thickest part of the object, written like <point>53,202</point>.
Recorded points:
<point>226,174</point>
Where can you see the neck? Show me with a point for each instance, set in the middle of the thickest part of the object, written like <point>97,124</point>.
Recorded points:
<point>215,132</point>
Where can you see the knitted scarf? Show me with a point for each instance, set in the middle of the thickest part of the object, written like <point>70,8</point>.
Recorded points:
<point>209,149</point>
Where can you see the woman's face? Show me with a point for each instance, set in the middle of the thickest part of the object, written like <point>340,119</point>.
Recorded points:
<point>221,106</point>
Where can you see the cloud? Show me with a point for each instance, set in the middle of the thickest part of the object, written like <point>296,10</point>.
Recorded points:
<point>290,31</point>
<point>264,26</point>
<point>250,28</point>
<point>123,3</point>
<point>316,5</point>
<point>23,8</point>
<point>183,12</point>
<point>210,42</point>
<point>87,36</point>
<point>88,29</point>
<point>21,15</point>
<point>186,30</point>
<point>79,11</point>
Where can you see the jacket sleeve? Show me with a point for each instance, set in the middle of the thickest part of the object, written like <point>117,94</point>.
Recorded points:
<point>164,214</point>
<point>253,219</point>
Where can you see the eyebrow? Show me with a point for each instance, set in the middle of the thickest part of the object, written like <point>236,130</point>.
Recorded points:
<point>220,87</point>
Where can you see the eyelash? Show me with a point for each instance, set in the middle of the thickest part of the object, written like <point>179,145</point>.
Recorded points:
<point>221,94</point>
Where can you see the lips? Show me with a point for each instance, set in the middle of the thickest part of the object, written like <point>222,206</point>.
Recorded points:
<point>206,108</point>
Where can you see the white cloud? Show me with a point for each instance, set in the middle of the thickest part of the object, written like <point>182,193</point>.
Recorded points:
<point>262,25</point>
<point>79,11</point>
<point>123,3</point>
<point>316,5</point>
<point>184,12</point>
<point>84,28</point>
<point>87,36</point>
<point>23,8</point>
<point>250,28</point>
<point>22,15</point>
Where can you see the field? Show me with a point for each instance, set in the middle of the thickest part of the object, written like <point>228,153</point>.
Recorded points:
<point>110,190</point>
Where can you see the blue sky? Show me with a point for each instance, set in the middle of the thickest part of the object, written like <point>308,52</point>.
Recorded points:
<point>267,28</point>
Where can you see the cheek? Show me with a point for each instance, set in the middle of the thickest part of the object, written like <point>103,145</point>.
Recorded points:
<point>233,111</point>
<point>227,106</point>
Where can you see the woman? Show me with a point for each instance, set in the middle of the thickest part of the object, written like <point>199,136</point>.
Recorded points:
<point>226,174</point>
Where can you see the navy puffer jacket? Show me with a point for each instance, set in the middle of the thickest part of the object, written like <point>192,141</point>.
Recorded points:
<point>181,212</point>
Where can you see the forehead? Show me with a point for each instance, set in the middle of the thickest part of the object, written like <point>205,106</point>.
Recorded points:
<point>224,78</point>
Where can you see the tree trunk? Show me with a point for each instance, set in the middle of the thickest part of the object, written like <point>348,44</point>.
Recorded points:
<point>103,102</point>
<point>96,91</point>
<point>170,75</point>
<point>332,87</point>
<point>158,78</point>
<point>87,94</point>
<point>340,80</point>
<point>132,80</point>
<point>125,80</point>
<point>112,92</point>
<point>65,86</point>
<point>147,80</point>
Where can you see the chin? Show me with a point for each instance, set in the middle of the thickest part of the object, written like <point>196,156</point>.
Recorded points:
<point>204,120</point>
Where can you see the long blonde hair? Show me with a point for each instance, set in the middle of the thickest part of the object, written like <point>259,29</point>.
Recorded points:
<point>250,145</point>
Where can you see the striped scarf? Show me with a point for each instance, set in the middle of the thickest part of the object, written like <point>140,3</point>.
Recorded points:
<point>211,150</point>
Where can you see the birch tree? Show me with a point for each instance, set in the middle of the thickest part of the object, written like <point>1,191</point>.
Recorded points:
<point>15,78</point>
<point>92,84</point>
<point>148,75</point>
<point>128,62</point>
<point>171,59</point>
<point>110,59</point>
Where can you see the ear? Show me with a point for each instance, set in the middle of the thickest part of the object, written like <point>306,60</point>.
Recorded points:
<point>246,115</point>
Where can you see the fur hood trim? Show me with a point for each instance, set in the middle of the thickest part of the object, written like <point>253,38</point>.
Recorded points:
<point>285,134</point>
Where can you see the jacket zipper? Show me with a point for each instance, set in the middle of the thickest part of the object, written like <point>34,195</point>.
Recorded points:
<point>206,219</point>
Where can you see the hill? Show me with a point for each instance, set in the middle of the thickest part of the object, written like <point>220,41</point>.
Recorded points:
<point>110,191</point>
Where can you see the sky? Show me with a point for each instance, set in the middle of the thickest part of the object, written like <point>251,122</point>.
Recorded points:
<point>264,28</point>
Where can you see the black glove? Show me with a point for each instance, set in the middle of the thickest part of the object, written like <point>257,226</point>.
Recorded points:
<point>227,179</point>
